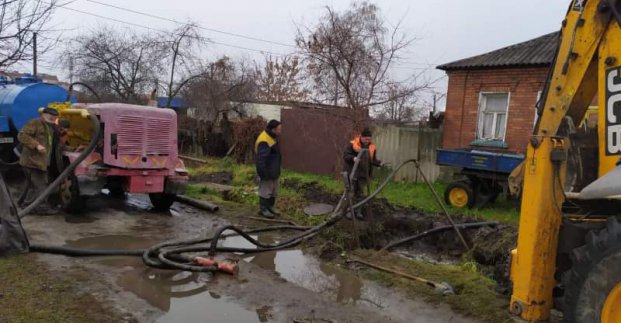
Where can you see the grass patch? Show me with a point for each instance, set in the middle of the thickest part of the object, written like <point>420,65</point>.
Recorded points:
<point>29,293</point>
<point>419,196</point>
<point>411,195</point>
<point>475,294</point>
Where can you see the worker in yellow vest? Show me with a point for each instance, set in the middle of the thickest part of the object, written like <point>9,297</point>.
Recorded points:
<point>268,163</point>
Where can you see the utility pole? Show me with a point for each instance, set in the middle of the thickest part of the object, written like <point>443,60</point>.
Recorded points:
<point>34,54</point>
<point>70,70</point>
<point>434,103</point>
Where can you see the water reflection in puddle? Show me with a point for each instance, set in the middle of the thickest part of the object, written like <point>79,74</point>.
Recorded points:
<point>183,296</point>
<point>304,270</point>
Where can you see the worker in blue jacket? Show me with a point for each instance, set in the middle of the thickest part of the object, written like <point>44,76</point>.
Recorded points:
<point>268,162</point>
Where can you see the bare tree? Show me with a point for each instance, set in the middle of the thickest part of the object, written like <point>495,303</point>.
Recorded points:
<point>121,65</point>
<point>349,56</point>
<point>182,45</point>
<point>280,80</point>
<point>19,21</point>
<point>218,85</point>
<point>403,108</point>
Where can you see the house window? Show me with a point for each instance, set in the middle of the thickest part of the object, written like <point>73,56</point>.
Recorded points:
<point>493,108</point>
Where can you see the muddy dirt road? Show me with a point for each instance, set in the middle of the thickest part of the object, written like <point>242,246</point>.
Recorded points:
<point>285,286</point>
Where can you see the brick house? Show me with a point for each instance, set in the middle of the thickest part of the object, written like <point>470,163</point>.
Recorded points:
<point>491,97</point>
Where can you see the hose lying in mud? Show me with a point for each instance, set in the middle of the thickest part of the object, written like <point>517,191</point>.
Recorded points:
<point>423,234</point>
<point>185,254</point>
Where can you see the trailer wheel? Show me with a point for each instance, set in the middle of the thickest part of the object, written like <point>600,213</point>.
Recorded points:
<point>116,189</point>
<point>161,201</point>
<point>593,285</point>
<point>459,194</point>
<point>70,198</point>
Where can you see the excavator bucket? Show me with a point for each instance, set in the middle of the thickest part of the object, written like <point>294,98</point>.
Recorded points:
<point>13,239</point>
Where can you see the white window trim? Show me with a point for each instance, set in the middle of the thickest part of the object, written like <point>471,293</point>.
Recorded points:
<point>539,94</point>
<point>479,112</point>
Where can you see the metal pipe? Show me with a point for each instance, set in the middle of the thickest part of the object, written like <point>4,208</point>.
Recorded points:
<point>437,230</point>
<point>437,197</point>
<point>197,203</point>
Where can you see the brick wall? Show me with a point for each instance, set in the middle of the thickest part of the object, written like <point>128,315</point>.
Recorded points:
<point>462,104</point>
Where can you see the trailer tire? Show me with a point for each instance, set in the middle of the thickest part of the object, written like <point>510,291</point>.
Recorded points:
<point>460,194</point>
<point>116,189</point>
<point>70,198</point>
<point>593,284</point>
<point>161,201</point>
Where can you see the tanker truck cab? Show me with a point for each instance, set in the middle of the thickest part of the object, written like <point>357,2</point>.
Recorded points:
<point>136,153</point>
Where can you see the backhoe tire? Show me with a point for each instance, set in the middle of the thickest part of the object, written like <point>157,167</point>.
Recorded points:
<point>161,201</point>
<point>460,194</point>
<point>593,285</point>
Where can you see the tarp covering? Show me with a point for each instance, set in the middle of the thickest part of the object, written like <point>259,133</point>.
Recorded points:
<point>13,239</point>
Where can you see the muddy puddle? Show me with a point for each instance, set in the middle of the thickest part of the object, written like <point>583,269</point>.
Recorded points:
<point>188,297</point>
<point>333,283</point>
<point>182,296</point>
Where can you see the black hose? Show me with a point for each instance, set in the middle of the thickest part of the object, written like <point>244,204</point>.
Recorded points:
<point>69,170</point>
<point>79,252</point>
<point>437,230</point>
<point>84,85</point>
<point>172,254</point>
<point>4,163</point>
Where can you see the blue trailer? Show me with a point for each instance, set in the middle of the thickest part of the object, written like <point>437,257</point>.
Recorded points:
<point>20,101</point>
<point>485,175</point>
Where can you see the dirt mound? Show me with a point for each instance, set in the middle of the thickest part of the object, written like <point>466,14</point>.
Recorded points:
<point>312,191</point>
<point>225,178</point>
<point>384,223</point>
<point>491,248</point>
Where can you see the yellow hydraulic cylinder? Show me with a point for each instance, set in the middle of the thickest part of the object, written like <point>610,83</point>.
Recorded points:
<point>534,261</point>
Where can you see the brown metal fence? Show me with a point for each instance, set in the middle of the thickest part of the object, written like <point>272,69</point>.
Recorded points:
<point>313,140</point>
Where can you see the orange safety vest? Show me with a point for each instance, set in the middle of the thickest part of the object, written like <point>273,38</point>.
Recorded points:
<point>357,145</point>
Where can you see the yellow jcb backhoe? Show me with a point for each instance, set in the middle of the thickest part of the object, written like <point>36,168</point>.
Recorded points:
<point>568,254</point>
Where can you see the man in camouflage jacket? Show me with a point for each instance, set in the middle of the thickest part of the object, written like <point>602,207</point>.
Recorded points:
<point>40,154</point>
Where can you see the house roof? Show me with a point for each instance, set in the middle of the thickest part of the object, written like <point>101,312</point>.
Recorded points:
<point>535,52</point>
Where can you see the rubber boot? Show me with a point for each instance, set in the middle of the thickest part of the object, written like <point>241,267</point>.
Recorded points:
<point>264,208</point>
<point>270,207</point>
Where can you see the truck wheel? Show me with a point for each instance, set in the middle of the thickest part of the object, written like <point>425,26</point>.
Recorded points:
<point>593,285</point>
<point>116,189</point>
<point>485,193</point>
<point>70,198</point>
<point>459,194</point>
<point>161,201</point>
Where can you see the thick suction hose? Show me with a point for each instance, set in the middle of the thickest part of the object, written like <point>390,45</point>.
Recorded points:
<point>182,254</point>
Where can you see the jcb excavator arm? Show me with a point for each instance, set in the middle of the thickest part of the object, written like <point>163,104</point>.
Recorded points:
<point>588,59</point>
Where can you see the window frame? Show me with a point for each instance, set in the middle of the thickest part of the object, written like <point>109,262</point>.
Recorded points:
<point>539,94</point>
<point>481,112</point>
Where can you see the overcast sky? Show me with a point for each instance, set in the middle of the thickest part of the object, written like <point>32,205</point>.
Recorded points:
<point>446,30</point>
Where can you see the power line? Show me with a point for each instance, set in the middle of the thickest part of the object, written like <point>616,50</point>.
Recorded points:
<point>165,31</point>
<point>182,23</point>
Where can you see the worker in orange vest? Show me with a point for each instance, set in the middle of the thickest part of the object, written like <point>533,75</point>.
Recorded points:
<point>365,166</point>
